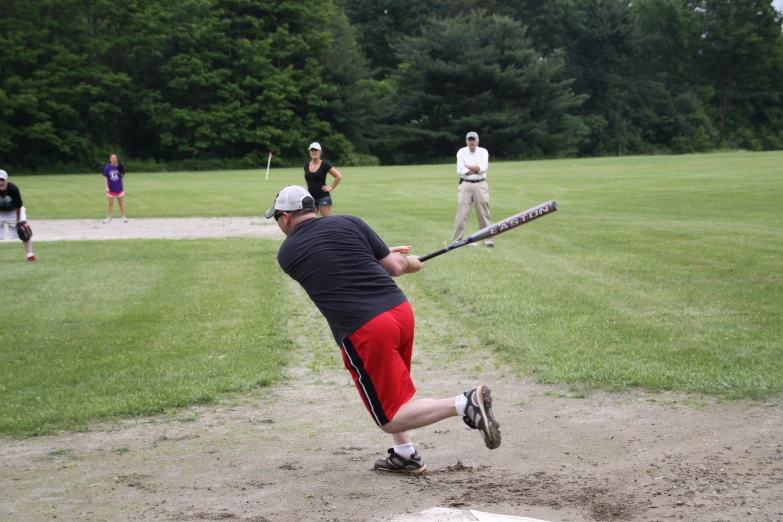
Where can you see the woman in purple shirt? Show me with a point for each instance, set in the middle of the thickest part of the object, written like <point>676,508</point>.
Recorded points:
<point>112,175</point>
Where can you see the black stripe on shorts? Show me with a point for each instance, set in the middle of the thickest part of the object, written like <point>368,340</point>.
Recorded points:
<point>365,384</point>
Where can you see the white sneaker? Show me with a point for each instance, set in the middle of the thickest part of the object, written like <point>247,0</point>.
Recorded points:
<point>107,221</point>
<point>124,220</point>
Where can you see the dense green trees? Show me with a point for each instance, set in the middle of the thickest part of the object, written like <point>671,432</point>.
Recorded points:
<point>741,58</point>
<point>221,82</point>
<point>58,94</point>
<point>237,78</point>
<point>660,73</point>
<point>163,79</point>
<point>480,72</point>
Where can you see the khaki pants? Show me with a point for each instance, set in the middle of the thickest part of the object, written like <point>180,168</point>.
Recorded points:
<point>471,194</point>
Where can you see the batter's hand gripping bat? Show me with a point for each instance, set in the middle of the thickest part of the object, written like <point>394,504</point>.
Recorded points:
<point>498,228</point>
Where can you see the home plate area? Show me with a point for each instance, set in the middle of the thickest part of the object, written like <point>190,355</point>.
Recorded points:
<point>438,514</point>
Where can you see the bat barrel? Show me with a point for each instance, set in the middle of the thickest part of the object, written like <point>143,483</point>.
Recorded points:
<point>501,226</point>
<point>514,221</point>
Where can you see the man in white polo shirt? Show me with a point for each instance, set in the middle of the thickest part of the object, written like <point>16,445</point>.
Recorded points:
<point>472,164</point>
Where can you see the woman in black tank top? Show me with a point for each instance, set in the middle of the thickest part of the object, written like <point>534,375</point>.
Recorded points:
<point>315,173</point>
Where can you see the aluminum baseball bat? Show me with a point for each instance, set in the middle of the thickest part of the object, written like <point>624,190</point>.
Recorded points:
<point>514,221</point>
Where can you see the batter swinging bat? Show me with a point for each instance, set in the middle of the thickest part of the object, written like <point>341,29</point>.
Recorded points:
<point>498,228</point>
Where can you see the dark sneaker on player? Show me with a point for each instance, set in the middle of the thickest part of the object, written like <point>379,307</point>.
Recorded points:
<point>399,464</point>
<point>478,415</point>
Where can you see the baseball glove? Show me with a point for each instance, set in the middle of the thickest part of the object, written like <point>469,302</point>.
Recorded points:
<point>24,231</point>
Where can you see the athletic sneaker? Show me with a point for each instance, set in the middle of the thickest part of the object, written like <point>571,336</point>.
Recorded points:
<point>124,220</point>
<point>478,415</point>
<point>31,258</point>
<point>107,220</point>
<point>490,245</point>
<point>399,464</point>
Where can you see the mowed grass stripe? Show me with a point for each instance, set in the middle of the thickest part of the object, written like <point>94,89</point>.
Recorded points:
<point>134,327</point>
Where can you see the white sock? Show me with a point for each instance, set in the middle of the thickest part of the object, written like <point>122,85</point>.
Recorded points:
<point>460,404</point>
<point>30,255</point>
<point>405,450</point>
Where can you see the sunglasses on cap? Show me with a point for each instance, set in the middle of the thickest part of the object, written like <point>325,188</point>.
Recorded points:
<point>471,139</point>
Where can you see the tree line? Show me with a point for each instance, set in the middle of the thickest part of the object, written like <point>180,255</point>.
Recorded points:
<point>220,83</point>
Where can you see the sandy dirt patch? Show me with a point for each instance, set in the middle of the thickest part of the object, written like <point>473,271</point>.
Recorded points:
<point>178,228</point>
<point>304,450</point>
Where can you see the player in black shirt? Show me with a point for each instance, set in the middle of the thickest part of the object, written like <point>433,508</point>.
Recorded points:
<point>315,172</point>
<point>12,211</point>
<point>347,270</point>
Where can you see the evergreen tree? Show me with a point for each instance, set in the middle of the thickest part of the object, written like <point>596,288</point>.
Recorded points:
<point>481,73</point>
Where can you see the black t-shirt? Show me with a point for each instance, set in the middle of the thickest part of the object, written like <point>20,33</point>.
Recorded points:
<point>335,259</point>
<point>316,180</point>
<point>10,198</point>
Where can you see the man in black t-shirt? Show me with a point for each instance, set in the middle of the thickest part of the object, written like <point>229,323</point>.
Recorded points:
<point>347,271</point>
<point>12,211</point>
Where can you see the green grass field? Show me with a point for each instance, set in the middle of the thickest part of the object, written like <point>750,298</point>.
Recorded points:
<point>96,329</point>
<point>657,272</point>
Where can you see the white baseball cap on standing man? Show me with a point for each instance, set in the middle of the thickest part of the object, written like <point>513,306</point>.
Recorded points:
<point>291,198</point>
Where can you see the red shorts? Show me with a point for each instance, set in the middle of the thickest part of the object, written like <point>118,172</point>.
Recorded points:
<point>116,194</point>
<point>378,355</point>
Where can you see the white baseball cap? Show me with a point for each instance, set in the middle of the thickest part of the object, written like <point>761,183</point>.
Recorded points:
<point>314,145</point>
<point>3,174</point>
<point>471,134</point>
<point>291,198</point>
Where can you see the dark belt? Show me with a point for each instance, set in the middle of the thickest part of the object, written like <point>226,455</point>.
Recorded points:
<point>471,180</point>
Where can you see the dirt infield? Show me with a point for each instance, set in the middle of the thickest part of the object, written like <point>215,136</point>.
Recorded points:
<point>304,449</point>
<point>179,228</point>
